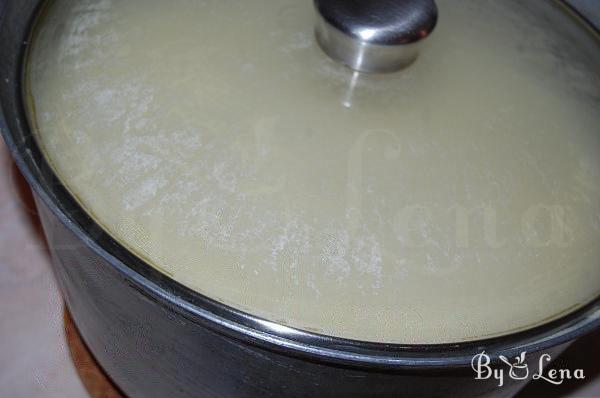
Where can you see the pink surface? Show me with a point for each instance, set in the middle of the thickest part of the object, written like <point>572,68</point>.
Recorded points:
<point>35,354</point>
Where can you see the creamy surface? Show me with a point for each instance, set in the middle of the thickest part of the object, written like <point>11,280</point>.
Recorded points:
<point>455,200</point>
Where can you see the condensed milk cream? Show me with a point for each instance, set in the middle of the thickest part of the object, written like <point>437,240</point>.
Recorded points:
<point>455,200</point>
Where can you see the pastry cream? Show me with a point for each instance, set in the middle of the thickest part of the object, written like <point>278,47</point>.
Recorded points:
<point>455,200</point>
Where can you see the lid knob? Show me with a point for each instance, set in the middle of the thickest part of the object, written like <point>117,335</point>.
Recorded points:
<point>374,35</point>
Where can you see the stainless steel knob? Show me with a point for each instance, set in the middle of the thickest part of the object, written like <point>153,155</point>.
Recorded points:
<point>374,35</point>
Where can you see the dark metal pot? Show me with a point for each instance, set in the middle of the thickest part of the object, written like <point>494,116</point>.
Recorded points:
<point>156,338</point>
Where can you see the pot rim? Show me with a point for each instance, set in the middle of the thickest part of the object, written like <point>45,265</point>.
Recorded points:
<point>240,325</point>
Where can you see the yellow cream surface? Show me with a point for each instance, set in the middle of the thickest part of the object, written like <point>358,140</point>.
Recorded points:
<point>455,200</point>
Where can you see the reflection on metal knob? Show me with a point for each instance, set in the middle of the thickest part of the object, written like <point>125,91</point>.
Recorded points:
<point>374,35</point>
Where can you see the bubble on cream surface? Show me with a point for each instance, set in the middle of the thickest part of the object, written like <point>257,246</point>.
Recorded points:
<point>455,200</point>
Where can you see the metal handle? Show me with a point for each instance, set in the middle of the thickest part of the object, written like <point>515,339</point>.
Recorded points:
<point>374,35</point>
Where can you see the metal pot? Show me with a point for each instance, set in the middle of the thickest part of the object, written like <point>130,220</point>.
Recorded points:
<point>155,337</point>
